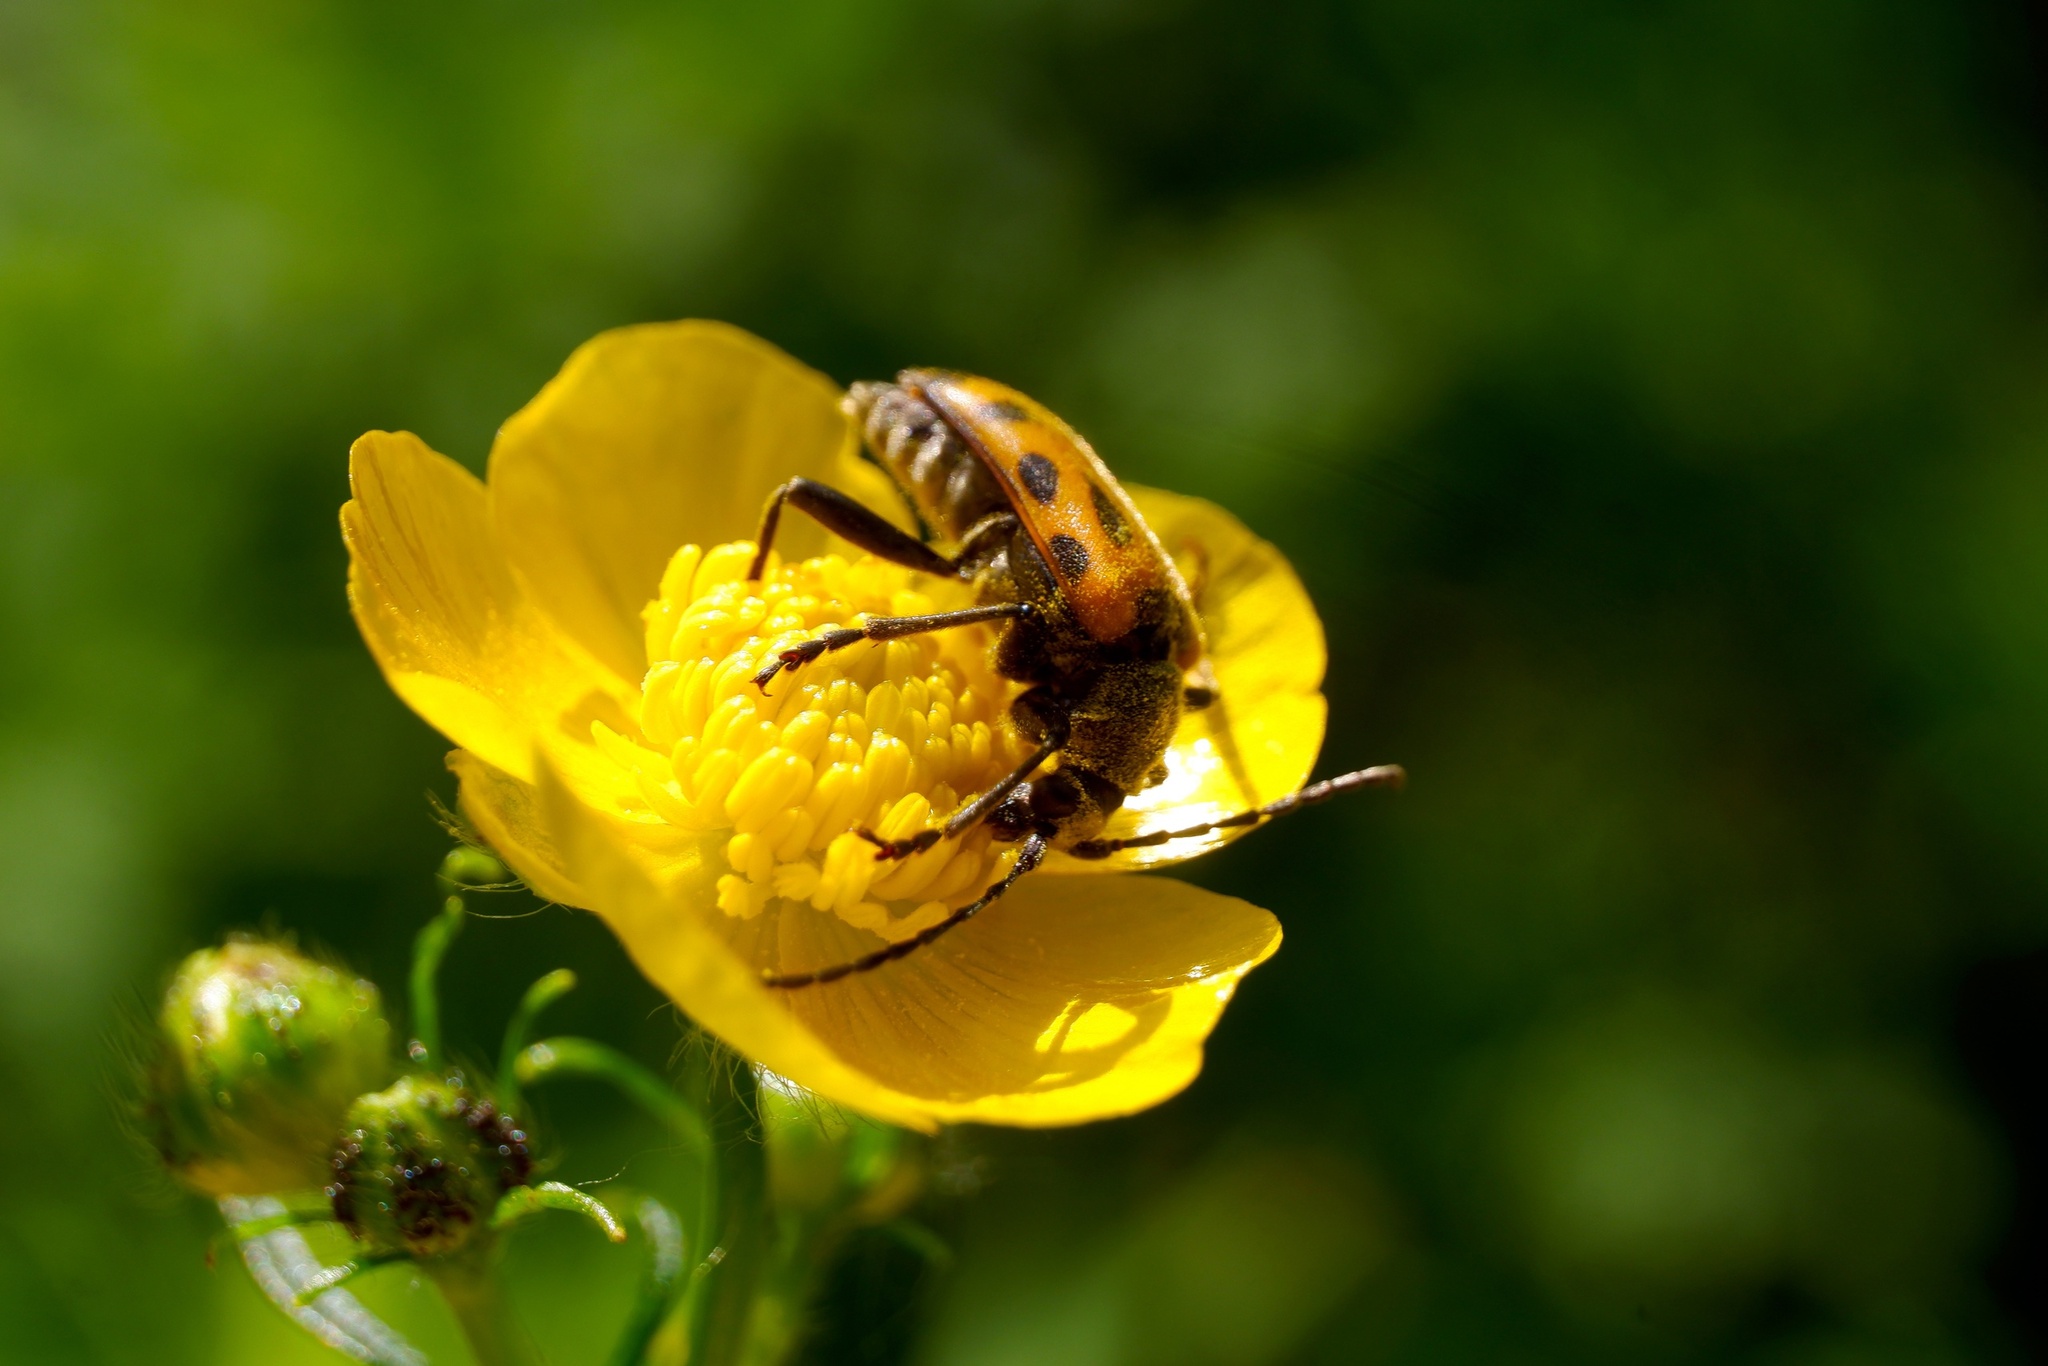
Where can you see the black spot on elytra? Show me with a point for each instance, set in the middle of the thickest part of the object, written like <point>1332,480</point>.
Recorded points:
<point>1070,555</point>
<point>1001,411</point>
<point>1111,516</point>
<point>1041,477</point>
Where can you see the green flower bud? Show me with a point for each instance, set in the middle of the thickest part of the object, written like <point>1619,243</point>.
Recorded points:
<point>469,866</point>
<point>259,1051</point>
<point>423,1165</point>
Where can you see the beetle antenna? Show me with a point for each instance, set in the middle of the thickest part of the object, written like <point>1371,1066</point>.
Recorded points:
<point>1028,858</point>
<point>1380,775</point>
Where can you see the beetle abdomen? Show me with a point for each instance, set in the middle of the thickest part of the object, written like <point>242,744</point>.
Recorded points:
<point>950,486</point>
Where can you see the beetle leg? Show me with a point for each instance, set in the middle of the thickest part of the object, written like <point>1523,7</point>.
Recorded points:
<point>1201,690</point>
<point>1382,775</point>
<point>853,521</point>
<point>1028,858</point>
<point>887,628</point>
<point>968,816</point>
<point>994,529</point>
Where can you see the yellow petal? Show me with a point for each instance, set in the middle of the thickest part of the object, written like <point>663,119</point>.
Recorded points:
<point>441,612</point>
<point>667,934</point>
<point>654,437</point>
<point>1260,739</point>
<point>1063,1003</point>
<point>506,812</point>
<point>511,816</point>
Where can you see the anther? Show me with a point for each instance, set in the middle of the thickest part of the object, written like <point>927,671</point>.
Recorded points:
<point>782,781</point>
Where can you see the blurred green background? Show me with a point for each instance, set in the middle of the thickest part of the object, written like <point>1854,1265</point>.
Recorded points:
<point>1650,394</point>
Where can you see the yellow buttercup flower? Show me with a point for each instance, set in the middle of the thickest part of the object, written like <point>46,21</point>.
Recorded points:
<point>884,738</point>
<point>582,628</point>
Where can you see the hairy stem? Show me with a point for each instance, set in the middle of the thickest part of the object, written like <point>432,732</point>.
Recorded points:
<point>724,1301</point>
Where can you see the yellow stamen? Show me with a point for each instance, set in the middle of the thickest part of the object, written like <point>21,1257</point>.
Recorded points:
<point>885,736</point>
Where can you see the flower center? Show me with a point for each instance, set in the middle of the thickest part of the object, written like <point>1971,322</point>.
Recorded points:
<point>888,737</point>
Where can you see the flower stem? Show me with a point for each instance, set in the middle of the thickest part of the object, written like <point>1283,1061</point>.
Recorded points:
<point>724,1303</point>
<point>473,1293</point>
<point>801,1249</point>
<point>568,1056</point>
<point>538,998</point>
<point>427,951</point>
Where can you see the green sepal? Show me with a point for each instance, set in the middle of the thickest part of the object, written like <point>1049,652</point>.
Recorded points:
<point>526,1201</point>
<point>322,1282</point>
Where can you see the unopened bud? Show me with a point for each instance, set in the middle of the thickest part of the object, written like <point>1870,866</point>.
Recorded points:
<point>422,1166</point>
<point>469,866</point>
<point>259,1052</point>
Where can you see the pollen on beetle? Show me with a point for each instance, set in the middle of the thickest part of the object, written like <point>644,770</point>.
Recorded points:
<point>890,737</point>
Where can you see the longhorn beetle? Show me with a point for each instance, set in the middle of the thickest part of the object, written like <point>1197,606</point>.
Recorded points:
<point>1096,619</point>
